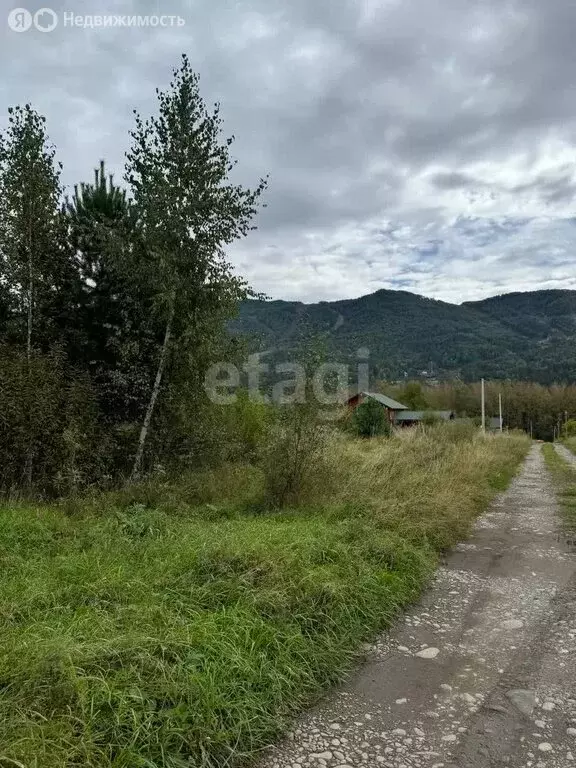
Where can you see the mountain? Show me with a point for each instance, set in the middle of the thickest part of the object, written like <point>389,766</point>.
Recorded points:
<point>530,336</point>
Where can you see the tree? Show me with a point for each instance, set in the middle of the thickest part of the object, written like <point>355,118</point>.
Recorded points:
<point>186,211</point>
<point>370,419</point>
<point>413,396</point>
<point>94,213</point>
<point>114,335</point>
<point>34,260</point>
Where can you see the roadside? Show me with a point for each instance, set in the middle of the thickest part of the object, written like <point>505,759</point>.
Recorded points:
<point>562,464</point>
<point>482,672</point>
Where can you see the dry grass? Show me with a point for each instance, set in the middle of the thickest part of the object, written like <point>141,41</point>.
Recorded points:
<point>426,484</point>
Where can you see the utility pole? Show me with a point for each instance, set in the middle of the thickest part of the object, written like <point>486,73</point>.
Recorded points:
<point>500,409</point>
<point>483,409</point>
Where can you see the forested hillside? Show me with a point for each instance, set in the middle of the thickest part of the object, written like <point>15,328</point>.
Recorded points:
<point>527,336</point>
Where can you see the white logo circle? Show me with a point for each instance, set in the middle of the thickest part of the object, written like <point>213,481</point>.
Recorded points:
<point>19,20</point>
<point>45,20</point>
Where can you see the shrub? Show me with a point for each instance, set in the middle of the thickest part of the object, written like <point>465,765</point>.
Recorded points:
<point>430,419</point>
<point>49,441</point>
<point>294,452</point>
<point>370,419</point>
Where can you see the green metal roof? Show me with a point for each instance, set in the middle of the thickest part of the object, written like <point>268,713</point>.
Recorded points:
<point>421,415</point>
<point>386,401</point>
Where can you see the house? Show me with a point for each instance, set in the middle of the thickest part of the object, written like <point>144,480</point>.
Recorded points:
<point>392,407</point>
<point>399,414</point>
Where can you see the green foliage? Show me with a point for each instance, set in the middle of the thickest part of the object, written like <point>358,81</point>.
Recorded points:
<point>569,428</point>
<point>186,211</point>
<point>96,214</point>
<point>412,396</point>
<point>35,260</point>
<point>294,456</point>
<point>370,419</point>
<point>132,290</point>
<point>246,425</point>
<point>47,417</point>
<point>430,418</point>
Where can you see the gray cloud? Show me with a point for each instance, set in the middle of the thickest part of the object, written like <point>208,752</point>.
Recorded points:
<point>405,140</point>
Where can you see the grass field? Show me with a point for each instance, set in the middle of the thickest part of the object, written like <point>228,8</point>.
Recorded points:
<point>564,476</point>
<point>177,626</point>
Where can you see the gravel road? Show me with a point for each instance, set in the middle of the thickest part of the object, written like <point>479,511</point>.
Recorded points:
<point>482,672</point>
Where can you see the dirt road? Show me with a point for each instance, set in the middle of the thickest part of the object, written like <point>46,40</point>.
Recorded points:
<point>482,672</point>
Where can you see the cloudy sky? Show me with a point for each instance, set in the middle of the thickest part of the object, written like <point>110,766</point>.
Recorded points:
<point>427,145</point>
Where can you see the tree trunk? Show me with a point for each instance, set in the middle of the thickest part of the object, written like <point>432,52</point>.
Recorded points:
<point>29,456</point>
<point>30,310</point>
<point>154,396</point>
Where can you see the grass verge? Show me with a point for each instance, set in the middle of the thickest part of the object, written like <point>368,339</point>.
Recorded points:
<point>570,443</point>
<point>190,636</point>
<point>564,477</point>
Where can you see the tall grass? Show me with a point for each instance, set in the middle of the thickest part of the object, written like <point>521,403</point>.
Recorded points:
<point>564,476</point>
<point>137,634</point>
<point>570,443</point>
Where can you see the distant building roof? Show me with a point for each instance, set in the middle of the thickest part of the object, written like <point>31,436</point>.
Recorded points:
<point>386,401</point>
<point>421,415</point>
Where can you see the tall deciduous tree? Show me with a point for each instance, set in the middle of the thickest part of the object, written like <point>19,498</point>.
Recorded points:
<point>33,259</point>
<point>187,211</point>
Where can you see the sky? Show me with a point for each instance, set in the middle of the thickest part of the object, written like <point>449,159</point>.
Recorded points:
<point>422,145</point>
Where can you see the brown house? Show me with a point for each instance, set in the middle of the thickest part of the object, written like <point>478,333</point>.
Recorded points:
<point>392,407</point>
<point>398,414</point>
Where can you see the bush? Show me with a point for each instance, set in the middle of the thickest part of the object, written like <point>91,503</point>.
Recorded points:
<point>430,419</point>
<point>370,419</point>
<point>295,452</point>
<point>49,437</point>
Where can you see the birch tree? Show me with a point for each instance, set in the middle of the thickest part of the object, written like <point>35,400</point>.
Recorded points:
<point>30,224</point>
<point>32,257</point>
<point>187,212</point>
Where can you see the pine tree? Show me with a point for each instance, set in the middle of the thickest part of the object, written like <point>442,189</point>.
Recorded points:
<point>97,215</point>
